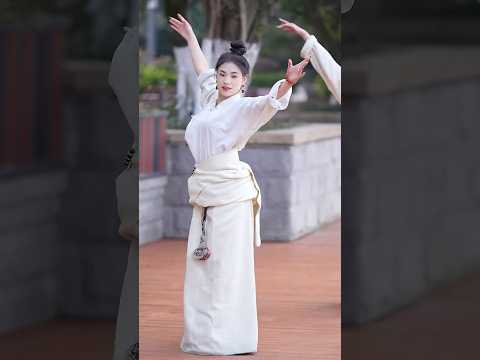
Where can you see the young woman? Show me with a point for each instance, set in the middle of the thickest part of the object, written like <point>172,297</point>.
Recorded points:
<point>322,61</point>
<point>220,311</point>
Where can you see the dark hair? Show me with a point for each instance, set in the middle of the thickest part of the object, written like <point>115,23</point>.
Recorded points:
<point>235,55</point>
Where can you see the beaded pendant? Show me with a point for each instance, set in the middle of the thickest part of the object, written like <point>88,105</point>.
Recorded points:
<point>202,252</point>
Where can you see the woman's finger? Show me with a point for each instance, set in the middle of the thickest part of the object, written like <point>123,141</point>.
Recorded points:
<point>182,18</point>
<point>176,24</point>
<point>286,27</point>
<point>289,63</point>
<point>175,21</point>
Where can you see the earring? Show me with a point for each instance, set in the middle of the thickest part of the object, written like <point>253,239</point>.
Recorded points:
<point>243,89</point>
<point>216,86</point>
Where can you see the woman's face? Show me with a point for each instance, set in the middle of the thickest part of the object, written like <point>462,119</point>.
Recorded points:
<point>229,79</point>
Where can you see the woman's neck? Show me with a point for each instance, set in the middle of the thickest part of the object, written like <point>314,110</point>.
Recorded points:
<point>221,98</point>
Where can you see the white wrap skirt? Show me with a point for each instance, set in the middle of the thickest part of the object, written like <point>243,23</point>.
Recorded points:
<point>220,310</point>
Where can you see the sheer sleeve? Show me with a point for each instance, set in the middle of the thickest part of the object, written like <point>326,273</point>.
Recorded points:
<point>257,111</point>
<point>208,85</point>
<point>325,65</point>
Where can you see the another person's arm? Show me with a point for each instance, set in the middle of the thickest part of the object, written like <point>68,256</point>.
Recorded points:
<point>182,27</point>
<point>322,61</point>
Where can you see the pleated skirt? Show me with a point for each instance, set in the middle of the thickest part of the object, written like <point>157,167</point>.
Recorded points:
<point>220,310</point>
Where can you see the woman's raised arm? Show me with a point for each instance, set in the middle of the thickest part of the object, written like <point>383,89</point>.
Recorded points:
<point>182,27</point>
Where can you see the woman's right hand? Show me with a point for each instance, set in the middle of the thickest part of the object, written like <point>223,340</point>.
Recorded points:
<point>182,27</point>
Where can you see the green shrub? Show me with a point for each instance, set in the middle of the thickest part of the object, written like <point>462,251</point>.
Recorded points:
<point>320,87</point>
<point>155,75</point>
<point>266,79</point>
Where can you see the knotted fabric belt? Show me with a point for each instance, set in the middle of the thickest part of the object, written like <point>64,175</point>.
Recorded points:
<point>219,180</point>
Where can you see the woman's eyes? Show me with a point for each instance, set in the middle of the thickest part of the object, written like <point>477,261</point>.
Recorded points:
<point>233,76</point>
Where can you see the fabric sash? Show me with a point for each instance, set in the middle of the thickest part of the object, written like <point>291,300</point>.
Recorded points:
<point>223,179</point>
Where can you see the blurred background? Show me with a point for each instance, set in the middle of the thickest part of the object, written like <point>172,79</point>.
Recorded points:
<point>63,139</point>
<point>410,180</point>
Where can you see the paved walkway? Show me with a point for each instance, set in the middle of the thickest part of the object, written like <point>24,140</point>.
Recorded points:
<point>298,298</point>
<point>61,339</point>
<point>441,326</point>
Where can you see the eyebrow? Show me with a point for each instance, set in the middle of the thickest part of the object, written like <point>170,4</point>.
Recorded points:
<point>233,72</point>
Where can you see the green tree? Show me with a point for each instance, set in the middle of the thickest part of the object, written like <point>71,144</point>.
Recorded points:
<point>320,18</point>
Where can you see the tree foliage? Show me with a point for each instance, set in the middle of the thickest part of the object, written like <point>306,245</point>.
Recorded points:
<point>319,17</point>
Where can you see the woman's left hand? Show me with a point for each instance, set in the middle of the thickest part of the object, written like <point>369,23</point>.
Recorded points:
<point>295,72</point>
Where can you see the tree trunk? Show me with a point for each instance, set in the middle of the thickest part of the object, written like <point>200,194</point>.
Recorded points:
<point>227,20</point>
<point>188,90</point>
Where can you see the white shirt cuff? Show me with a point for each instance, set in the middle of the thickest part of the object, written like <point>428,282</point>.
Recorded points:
<point>307,47</point>
<point>281,103</point>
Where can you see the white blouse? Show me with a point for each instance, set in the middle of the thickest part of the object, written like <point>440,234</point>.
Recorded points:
<point>229,125</point>
<point>325,65</point>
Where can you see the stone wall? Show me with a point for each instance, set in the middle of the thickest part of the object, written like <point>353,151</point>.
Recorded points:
<point>409,145</point>
<point>298,171</point>
<point>29,281</point>
<point>151,202</point>
<point>97,138</point>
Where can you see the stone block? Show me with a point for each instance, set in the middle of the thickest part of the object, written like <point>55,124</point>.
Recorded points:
<point>269,160</point>
<point>152,188</point>
<point>277,191</point>
<point>275,224</point>
<point>151,210</point>
<point>151,231</point>
<point>176,192</point>
<point>168,224</point>
<point>411,273</point>
<point>452,248</point>
<point>25,255</point>
<point>104,272</point>
<point>182,160</point>
<point>28,302</point>
<point>375,276</point>
<point>21,188</point>
<point>182,216</point>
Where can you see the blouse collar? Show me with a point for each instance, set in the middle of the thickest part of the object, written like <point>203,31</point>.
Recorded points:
<point>231,98</point>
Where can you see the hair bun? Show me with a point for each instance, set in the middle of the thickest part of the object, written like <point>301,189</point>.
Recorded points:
<point>238,47</point>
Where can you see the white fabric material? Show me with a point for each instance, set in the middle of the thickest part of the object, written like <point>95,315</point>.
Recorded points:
<point>325,65</point>
<point>220,311</point>
<point>224,179</point>
<point>229,125</point>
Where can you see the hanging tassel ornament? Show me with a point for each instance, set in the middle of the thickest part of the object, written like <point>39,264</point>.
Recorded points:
<point>202,252</point>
